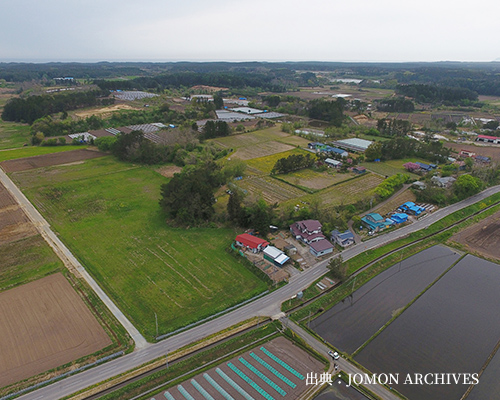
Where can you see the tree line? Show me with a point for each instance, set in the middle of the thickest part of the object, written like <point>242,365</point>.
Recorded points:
<point>32,108</point>
<point>404,147</point>
<point>293,162</point>
<point>399,104</point>
<point>423,93</point>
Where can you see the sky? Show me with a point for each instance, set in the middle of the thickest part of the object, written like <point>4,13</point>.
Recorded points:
<point>258,30</point>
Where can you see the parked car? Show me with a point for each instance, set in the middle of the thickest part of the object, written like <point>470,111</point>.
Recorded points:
<point>334,355</point>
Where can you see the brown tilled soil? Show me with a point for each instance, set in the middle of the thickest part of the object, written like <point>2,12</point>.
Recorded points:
<point>14,224</point>
<point>261,150</point>
<point>169,171</point>
<point>44,324</point>
<point>488,151</point>
<point>47,160</point>
<point>483,237</point>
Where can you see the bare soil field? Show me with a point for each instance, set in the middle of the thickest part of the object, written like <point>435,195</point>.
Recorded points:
<point>488,151</point>
<point>44,324</point>
<point>483,237</point>
<point>271,190</point>
<point>282,370</point>
<point>169,171</point>
<point>47,160</point>
<point>5,198</point>
<point>14,224</point>
<point>314,180</point>
<point>261,150</point>
<point>106,111</point>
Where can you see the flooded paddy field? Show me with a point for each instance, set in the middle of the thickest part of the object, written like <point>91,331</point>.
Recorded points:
<point>352,322</point>
<point>452,328</point>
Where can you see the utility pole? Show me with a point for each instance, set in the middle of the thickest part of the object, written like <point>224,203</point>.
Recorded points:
<point>156,320</point>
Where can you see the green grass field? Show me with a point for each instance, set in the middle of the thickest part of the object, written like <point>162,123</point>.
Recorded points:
<point>392,167</point>
<point>266,164</point>
<point>107,213</point>
<point>26,260</point>
<point>31,151</point>
<point>13,135</point>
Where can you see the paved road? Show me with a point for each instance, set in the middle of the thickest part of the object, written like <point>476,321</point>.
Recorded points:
<point>268,306</point>
<point>344,364</point>
<point>67,257</point>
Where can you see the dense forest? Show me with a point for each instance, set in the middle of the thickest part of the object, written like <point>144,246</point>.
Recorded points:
<point>32,108</point>
<point>437,94</point>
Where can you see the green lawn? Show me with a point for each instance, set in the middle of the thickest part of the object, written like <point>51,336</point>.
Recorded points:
<point>31,151</point>
<point>107,213</point>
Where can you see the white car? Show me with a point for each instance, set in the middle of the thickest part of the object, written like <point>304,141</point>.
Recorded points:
<point>334,355</point>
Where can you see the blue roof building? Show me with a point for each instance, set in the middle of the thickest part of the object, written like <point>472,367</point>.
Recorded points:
<point>411,208</point>
<point>399,218</point>
<point>344,239</point>
<point>376,222</point>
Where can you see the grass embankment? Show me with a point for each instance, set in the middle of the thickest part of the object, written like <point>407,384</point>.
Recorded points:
<point>107,213</point>
<point>354,264</point>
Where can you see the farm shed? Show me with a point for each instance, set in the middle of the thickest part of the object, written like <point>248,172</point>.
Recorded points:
<point>333,163</point>
<point>252,242</point>
<point>354,144</point>
<point>488,139</point>
<point>320,248</point>
<point>275,255</point>
<point>344,239</point>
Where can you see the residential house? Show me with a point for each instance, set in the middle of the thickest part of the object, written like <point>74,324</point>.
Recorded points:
<point>308,230</point>
<point>376,222</point>
<point>424,167</point>
<point>419,185</point>
<point>344,239</point>
<point>399,218</point>
<point>320,248</point>
<point>359,170</point>
<point>411,208</point>
<point>445,182</point>
<point>253,243</point>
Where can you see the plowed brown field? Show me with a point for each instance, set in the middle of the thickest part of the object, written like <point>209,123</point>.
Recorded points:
<point>47,160</point>
<point>44,324</point>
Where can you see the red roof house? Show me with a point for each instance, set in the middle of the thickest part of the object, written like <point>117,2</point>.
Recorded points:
<point>252,242</point>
